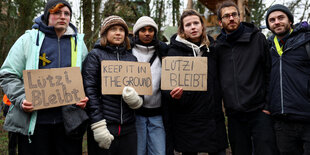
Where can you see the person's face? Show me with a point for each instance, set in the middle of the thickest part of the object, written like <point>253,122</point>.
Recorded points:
<point>146,34</point>
<point>279,23</point>
<point>192,28</point>
<point>116,35</point>
<point>230,19</point>
<point>60,19</point>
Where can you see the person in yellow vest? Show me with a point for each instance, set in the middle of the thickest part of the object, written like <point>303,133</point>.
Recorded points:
<point>53,42</point>
<point>289,80</point>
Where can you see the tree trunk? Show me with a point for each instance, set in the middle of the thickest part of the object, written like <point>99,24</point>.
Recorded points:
<point>97,20</point>
<point>87,24</point>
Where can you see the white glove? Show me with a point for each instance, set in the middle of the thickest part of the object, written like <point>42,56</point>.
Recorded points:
<point>132,98</point>
<point>101,134</point>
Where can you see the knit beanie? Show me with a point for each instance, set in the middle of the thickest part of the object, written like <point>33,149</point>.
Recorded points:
<point>51,4</point>
<point>279,7</point>
<point>142,22</point>
<point>111,21</point>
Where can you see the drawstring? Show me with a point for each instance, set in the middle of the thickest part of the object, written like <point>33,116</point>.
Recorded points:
<point>194,52</point>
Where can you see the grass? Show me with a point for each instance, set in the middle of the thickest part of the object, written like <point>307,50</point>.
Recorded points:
<point>3,137</point>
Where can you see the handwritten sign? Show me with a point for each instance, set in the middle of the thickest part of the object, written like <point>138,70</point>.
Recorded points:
<point>190,73</point>
<point>47,88</point>
<point>118,74</point>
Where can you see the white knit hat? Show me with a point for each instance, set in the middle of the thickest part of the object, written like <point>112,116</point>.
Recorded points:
<point>144,21</point>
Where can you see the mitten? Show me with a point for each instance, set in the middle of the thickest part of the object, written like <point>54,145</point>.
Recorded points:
<point>132,98</point>
<point>101,134</point>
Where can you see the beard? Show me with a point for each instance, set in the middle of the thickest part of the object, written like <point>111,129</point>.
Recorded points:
<point>285,32</point>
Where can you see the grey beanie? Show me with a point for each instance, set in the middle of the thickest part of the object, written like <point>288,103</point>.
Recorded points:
<point>279,7</point>
<point>142,22</point>
<point>51,4</point>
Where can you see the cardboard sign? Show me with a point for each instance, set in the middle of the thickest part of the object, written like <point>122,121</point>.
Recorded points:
<point>190,73</point>
<point>47,88</point>
<point>118,74</point>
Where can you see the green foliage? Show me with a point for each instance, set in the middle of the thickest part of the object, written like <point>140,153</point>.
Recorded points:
<point>16,17</point>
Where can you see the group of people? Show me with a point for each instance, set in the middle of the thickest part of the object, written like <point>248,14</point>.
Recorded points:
<point>264,85</point>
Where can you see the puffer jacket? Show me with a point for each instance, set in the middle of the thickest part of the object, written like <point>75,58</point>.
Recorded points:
<point>290,77</point>
<point>197,119</point>
<point>244,68</point>
<point>109,107</point>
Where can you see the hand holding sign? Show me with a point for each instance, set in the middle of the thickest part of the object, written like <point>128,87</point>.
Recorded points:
<point>176,93</point>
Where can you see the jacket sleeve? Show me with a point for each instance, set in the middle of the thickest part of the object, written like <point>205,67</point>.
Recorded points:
<point>11,72</point>
<point>267,69</point>
<point>92,86</point>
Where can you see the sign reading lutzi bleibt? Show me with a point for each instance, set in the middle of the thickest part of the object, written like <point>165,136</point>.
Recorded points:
<point>47,88</point>
<point>115,75</point>
<point>190,73</point>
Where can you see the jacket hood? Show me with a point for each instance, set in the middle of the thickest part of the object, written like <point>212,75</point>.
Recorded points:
<point>39,24</point>
<point>181,45</point>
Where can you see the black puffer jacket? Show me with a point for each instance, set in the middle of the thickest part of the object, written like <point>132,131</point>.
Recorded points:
<point>197,121</point>
<point>244,69</point>
<point>109,107</point>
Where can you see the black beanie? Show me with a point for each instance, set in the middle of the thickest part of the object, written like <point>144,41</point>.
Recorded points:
<point>279,7</point>
<point>51,4</point>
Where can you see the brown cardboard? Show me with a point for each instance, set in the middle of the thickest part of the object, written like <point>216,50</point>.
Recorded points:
<point>47,88</point>
<point>118,74</point>
<point>190,73</point>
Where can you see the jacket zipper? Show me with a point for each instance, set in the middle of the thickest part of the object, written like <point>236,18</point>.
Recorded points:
<point>59,52</point>
<point>117,55</point>
<point>281,80</point>
<point>235,78</point>
<point>121,110</point>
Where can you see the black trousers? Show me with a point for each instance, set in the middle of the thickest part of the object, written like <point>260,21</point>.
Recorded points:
<point>12,143</point>
<point>49,140</point>
<point>293,138</point>
<point>123,144</point>
<point>252,133</point>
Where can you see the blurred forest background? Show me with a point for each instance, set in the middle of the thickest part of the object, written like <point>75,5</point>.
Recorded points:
<point>16,16</point>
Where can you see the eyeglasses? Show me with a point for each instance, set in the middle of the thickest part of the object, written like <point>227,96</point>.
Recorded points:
<point>59,13</point>
<point>227,16</point>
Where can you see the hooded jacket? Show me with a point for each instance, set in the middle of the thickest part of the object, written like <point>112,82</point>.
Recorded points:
<point>24,55</point>
<point>290,77</point>
<point>244,66</point>
<point>197,121</point>
<point>112,108</point>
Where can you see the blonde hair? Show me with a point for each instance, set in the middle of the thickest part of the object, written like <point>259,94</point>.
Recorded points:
<point>189,12</point>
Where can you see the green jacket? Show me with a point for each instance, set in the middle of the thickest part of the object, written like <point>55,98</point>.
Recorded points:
<point>24,55</point>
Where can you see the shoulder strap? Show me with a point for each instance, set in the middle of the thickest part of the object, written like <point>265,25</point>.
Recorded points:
<point>308,48</point>
<point>153,58</point>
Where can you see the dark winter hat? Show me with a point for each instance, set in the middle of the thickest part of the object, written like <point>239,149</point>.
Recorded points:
<point>51,4</point>
<point>279,7</point>
<point>111,21</point>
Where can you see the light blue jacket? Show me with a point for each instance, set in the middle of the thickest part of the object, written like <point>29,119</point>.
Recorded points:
<point>24,55</point>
